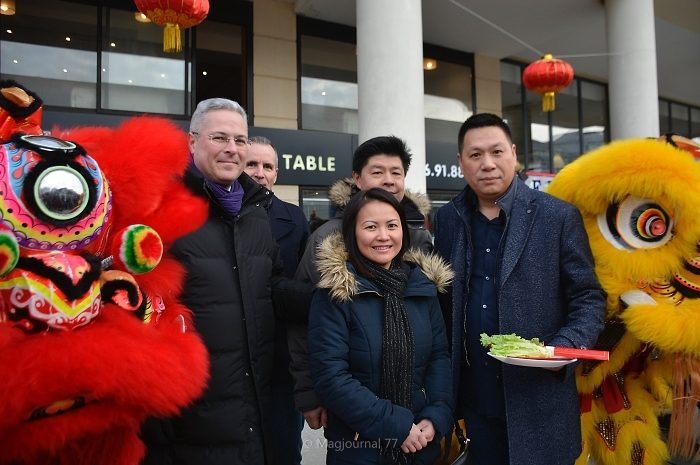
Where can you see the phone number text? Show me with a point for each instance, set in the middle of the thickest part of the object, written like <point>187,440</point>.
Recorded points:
<point>441,170</point>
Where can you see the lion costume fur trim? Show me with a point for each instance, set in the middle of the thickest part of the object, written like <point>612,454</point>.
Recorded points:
<point>625,168</point>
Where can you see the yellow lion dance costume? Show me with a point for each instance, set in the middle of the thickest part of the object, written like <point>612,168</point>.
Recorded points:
<point>640,201</point>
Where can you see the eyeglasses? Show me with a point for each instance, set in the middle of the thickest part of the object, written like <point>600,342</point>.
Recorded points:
<point>219,139</point>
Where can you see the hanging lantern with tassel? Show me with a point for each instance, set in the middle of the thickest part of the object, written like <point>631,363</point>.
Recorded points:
<point>548,76</point>
<point>174,15</point>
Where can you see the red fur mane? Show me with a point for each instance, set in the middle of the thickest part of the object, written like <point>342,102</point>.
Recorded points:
<point>123,369</point>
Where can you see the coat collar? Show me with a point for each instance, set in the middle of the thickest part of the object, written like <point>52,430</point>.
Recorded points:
<point>519,226</point>
<point>254,192</point>
<point>281,218</point>
<point>507,199</point>
<point>337,275</point>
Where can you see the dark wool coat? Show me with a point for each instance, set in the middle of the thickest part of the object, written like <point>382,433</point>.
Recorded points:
<point>230,261</point>
<point>416,206</point>
<point>345,350</point>
<point>547,289</point>
<point>291,230</point>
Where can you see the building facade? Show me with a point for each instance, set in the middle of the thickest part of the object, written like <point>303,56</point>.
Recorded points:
<point>319,76</point>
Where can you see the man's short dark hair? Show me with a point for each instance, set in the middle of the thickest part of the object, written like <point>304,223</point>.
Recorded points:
<point>357,201</point>
<point>387,145</point>
<point>482,120</point>
<point>262,140</point>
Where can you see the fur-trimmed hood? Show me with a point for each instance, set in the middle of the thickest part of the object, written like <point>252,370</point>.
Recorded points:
<point>341,190</point>
<point>342,283</point>
<point>420,200</point>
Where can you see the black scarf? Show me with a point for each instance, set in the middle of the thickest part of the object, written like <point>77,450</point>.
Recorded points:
<point>398,347</point>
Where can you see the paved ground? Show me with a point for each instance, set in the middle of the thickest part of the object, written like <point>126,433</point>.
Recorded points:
<point>313,451</point>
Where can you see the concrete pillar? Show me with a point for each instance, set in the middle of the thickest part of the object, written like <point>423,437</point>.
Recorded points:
<point>632,83</point>
<point>274,64</point>
<point>390,77</point>
<point>487,80</point>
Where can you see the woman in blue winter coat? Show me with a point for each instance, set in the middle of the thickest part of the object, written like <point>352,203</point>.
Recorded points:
<point>377,344</point>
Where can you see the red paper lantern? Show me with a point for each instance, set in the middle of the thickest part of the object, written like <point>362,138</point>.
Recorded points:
<point>548,76</point>
<point>174,15</point>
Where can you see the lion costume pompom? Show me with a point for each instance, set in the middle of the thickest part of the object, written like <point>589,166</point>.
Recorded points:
<point>640,201</point>
<point>92,336</point>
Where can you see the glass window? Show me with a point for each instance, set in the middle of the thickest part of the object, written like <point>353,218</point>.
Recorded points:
<point>329,97</point>
<point>565,128</point>
<point>328,85</point>
<point>548,141</point>
<point>594,113</point>
<point>511,101</point>
<point>316,206</point>
<point>679,119</point>
<point>48,46</point>
<point>136,74</point>
<point>540,134</point>
<point>51,47</point>
<point>219,70</point>
<point>448,100</point>
<point>664,123</point>
<point>695,124</point>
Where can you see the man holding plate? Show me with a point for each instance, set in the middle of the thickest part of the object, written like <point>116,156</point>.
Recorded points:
<point>522,265</point>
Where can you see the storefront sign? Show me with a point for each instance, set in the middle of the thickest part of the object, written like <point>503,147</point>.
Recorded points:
<point>307,162</point>
<point>442,170</point>
<point>310,158</point>
<point>538,180</point>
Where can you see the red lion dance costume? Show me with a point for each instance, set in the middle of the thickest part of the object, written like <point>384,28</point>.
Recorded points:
<point>92,336</point>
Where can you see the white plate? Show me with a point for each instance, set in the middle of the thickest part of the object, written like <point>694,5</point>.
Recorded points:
<point>535,362</point>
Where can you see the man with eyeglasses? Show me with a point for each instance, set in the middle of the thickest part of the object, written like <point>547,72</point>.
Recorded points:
<point>233,272</point>
<point>291,230</point>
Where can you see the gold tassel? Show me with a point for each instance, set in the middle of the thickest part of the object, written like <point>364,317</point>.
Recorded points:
<point>686,394</point>
<point>171,38</point>
<point>548,102</point>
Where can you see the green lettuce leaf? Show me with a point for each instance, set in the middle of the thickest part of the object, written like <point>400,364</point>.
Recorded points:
<point>511,345</point>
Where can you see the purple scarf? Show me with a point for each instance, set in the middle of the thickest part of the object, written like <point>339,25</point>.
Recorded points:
<point>230,200</point>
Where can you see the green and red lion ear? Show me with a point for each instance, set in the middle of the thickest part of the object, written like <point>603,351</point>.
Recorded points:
<point>137,249</point>
<point>9,251</point>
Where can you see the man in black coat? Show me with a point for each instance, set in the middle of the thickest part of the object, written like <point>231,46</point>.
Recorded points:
<point>290,229</point>
<point>233,272</point>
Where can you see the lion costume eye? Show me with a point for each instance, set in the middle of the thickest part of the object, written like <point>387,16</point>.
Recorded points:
<point>61,193</point>
<point>61,183</point>
<point>636,223</point>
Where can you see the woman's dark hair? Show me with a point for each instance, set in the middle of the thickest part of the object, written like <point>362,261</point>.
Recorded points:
<point>352,209</point>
